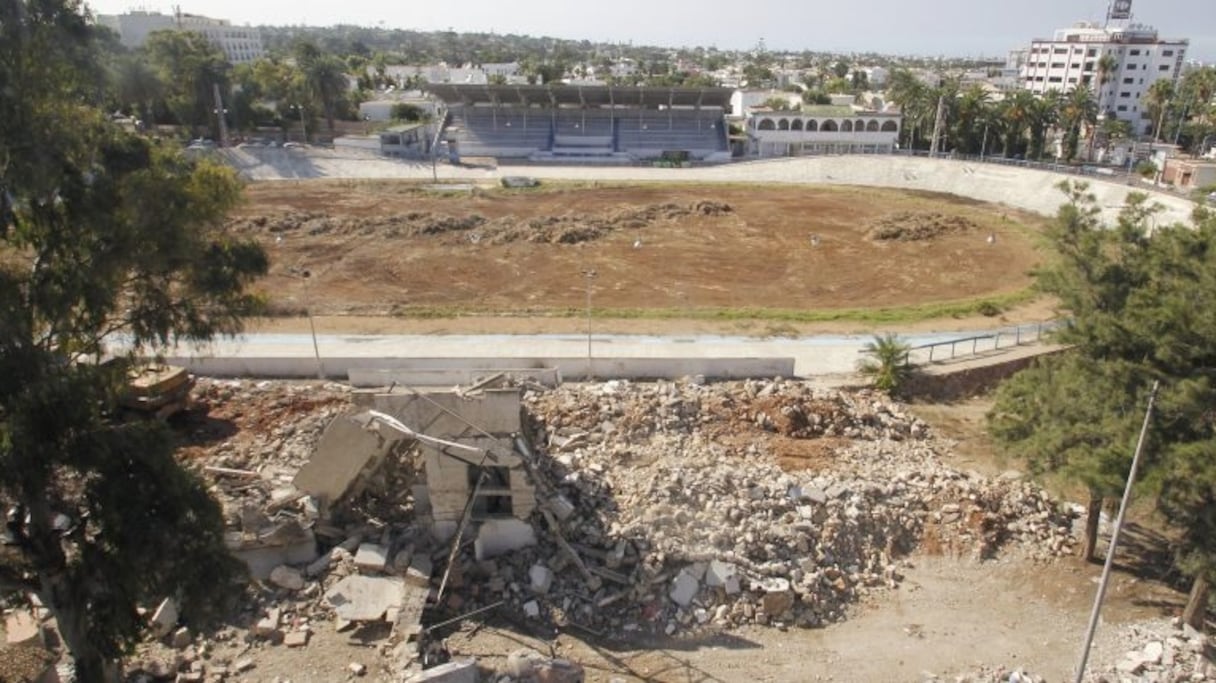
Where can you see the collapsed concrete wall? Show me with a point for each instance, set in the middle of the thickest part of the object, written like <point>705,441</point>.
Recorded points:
<point>349,446</point>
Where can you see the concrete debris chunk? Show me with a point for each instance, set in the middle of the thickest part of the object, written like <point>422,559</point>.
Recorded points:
<point>21,628</point>
<point>164,618</point>
<point>532,609</point>
<point>287,577</point>
<point>500,536</point>
<point>541,578</point>
<point>458,671</point>
<point>350,445</point>
<point>371,557</point>
<point>269,625</point>
<point>419,572</point>
<point>366,598</point>
<point>684,588</point>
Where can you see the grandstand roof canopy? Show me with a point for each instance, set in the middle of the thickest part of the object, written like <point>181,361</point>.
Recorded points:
<point>580,95</point>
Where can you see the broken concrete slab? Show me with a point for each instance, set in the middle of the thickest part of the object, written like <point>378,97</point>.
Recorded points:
<point>296,639</point>
<point>684,588</point>
<point>458,671</point>
<point>289,544</point>
<point>366,598</point>
<point>350,444</point>
<point>444,414</point>
<point>500,536</point>
<point>371,557</point>
<point>420,570</point>
<point>723,575</point>
<point>164,618</point>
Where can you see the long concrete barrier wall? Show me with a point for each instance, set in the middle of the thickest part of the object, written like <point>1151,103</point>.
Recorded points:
<point>1017,187</point>
<point>449,371</point>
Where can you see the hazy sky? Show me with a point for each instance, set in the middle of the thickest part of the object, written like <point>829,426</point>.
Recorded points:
<point>926,27</point>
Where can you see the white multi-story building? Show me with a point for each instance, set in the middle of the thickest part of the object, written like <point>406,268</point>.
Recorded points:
<point>239,44</point>
<point>1071,59</point>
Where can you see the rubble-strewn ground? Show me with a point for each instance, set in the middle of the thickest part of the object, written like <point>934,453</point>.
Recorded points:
<point>725,516</point>
<point>391,247</point>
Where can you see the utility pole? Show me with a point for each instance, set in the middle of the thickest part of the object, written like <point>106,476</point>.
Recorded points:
<point>590,275</point>
<point>219,114</point>
<point>1114,536</point>
<point>937,126</point>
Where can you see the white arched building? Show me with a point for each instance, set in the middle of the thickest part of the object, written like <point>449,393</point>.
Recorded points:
<point>821,130</point>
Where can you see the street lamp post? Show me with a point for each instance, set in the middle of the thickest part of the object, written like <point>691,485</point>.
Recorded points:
<point>312,327</point>
<point>590,277</point>
<point>221,116</point>
<point>303,127</point>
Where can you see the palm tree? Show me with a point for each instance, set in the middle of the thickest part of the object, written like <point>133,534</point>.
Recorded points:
<point>1106,68</point>
<point>1078,109</point>
<point>887,362</point>
<point>970,119</point>
<point>324,78</point>
<point>1156,100</point>
<point>912,96</point>
<point>1015,111</point>
<point>1042,114</point>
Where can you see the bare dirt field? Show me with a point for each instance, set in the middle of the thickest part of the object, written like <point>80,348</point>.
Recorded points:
<point>398,249</point>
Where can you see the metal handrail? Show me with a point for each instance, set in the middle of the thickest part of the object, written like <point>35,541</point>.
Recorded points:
<point>1015,336</point>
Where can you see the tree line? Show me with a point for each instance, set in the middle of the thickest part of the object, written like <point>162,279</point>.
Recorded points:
<point>1021,124</point>
<point>1140,301</point>
<point>104,234</point>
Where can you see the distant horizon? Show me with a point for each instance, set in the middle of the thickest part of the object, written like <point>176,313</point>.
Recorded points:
<point>900,28</point>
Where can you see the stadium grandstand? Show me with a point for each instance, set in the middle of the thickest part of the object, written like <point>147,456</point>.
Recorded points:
<point>585,124</point>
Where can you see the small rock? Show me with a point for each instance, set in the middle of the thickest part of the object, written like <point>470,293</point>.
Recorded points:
<point>287,577</point>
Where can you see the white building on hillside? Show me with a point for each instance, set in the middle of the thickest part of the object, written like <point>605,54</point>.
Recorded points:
<point>822,129</point>
<point>1072,57</point>
<point>239,44</point>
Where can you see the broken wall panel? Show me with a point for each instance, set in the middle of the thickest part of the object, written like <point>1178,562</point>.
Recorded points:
<point>347,448</point>
<point>446,415</point>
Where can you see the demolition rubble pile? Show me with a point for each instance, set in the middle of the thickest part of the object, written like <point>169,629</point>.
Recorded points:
<point>562,229</point>
<point>1157,650</point>
<point>668,493</point>
<point>660,510</point>
<point>907,226</point>
<point>1160,651</point>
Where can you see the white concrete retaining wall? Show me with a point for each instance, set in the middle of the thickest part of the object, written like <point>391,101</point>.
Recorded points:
<point>449,371</point>
<point>1022,188</point>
